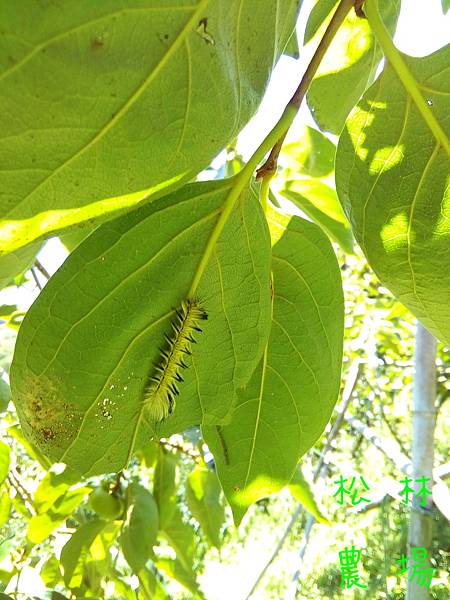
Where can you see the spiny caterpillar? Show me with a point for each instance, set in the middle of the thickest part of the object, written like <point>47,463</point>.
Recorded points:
<point>159,395</point>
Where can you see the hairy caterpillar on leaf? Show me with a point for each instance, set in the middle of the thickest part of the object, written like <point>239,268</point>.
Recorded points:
<point>160,392</point>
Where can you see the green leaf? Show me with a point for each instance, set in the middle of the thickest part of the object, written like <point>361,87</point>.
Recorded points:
<point>40,526</point>
<point>178,534</point>
<point>302,492</point>
<point>392,180</point>
<point>321,204</point>
<point>17,262</point>
<point>164,485</point>
<point>5,395</point>
<point>203,495</point>
<point>85,369</point>
<point>175,570</point>
<point>348,69</point>
<point>289,400</point>
<point>320,11</point>
<point>87,128</point>
<point>152,585</point>
<point>312,154</point>
<point>54,485</point>
<point>5,507</point>
<point>5,453</point>
<point>141,527</point>
<point>292,48</point>
<point>51,572</point>
<point>445,6</point>
<point>74,552</point>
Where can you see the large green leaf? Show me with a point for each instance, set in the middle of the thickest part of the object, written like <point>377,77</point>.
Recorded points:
<point>175,570</point>
<point>203,495</point>
<point>81,368</point>
<point>141,527</point>
<point>289,400</point>
<point>348,69</point>
<point>320,202</point>
<point>103,104</point>
<point>392,176</point>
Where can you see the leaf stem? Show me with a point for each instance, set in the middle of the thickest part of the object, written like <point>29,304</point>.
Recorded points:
<point>270,166</point>
<point>403,73</point>
<point>272,142</point>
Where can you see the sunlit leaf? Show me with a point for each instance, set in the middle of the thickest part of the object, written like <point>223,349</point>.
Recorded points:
<point>203,495</point>
<point>312,154</point>
<point>392,175</point>
<point>85,126</point>
<point>321,204</point>
<point>348,69</point>
<point>83,371</point>
<point>16,263</point>
<point>5,506</point>
<point>141,527</point>
<point>302,492</point>
<point>5,395</point>
<point>288,401</point>
<point>75,550</point>
<point>5,452</point>
<point>175,570</point>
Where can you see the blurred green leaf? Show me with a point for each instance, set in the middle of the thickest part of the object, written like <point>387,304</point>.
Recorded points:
<point>74,552</point>
<point>312,154</point>
<point>5,506</point>
<point>321,204</point>
<point>175,570</point>
<point>395,196</point>
<point>203,494</point>
<point>51,572</point>
<point>5,395</point>
<point>5,453</point>
<point>152,586</point>
<point>348,69</point>
<point>302,492</point>
<point>445,6</point>
<point>141,527</point>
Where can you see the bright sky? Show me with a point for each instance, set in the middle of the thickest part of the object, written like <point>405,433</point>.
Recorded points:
<point>421,29</point>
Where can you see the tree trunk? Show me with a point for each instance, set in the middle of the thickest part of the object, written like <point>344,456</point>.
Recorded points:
<point>423,424</point>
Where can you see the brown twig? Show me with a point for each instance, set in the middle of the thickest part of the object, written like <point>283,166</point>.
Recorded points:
<point>268,169</point>
<point>40,267</point>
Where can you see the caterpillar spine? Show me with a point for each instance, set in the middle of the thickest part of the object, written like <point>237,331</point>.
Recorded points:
<point>162,389</point>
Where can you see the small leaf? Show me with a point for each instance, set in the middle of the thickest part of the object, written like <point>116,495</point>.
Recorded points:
<point>54,485</point>
<point>164,486</point>
<point>289,400</point>
<point>320,11</point>
<point>175,570</point>
<point>312,154</point>
<point>5,453</point>
<point>5,507</point>
<point>16,263</point>
<point>348,69</point>
<point>320,203</point>
<point>152,585</point>
<point>5,395</point>
<point>141,527</point>
<point>76,549</point>
<point>396,197</point>
<point>203,495</point>
<point>445,6</point>
<point>51,572</point>
<point>302,492</point>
